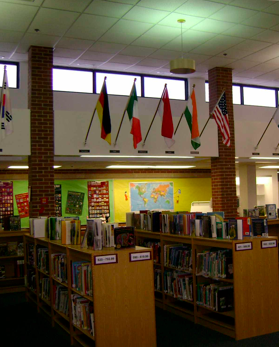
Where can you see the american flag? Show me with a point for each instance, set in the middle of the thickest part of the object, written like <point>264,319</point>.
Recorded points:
<point>220,115</point>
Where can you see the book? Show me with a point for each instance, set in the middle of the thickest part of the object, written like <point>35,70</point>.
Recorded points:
<point>66,232</point>
<point>206,226</point>
<point>232,229</point>
<point>239,228</point>
<point>270,211</point>
<point>259,227</point>
<point>15,223</point>
<point>245,226</point>
<point>11,248</point>
<point>3,249</point>
<point>124,237</point>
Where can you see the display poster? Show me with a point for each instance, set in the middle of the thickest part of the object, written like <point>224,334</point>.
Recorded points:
<point>22,205</point>
<point>6,200</point>
<point>58,199</point>
<point>151,196</point>
<point>98,199</point>
<point>74,203</point>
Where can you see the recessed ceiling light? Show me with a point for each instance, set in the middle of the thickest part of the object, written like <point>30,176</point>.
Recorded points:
<point>270,167</point>
<point>265,158</point>
<point>56,166</point>
<point>137,156</point>
<point>149,167</point>
<point>18,167</point>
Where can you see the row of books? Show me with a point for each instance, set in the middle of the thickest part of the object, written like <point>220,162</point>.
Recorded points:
<point>12,269</point>
<point>82,313</point>
<point>215,264</point>
<point>11,223</point>
<point>31,279</point>
<point>178,284</point>
<point>178,256</point>
<point>30,254</point>
<point>11,249</point>
<point>61,299</point>
<point>20,268</point>
<point>45,288</point>
<point>216,296</point>
<point>269,211</point>
<point>157,279</point>
<point>82,277</point>
<point>42,259</point>
<point>156,248</point>
<point>59,266</point>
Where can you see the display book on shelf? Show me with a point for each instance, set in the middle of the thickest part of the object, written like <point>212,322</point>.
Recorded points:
<point>78,282</point>
<point>11,261</point>
<point>187,288</point>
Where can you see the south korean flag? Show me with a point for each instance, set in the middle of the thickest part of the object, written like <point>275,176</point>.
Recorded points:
<point>5,108</point>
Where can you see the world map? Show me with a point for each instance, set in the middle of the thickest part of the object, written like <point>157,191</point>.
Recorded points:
<point>151,196</point>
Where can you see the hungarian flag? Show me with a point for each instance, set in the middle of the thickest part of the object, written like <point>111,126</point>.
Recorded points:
<point>166,116</point>
<point>133,114</point>
<point>102,108</point>
<point>191,116</point>
<point>5,108</point>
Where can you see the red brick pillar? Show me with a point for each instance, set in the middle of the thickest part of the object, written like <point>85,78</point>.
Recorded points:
<point>40,103</point>
<point>223,168</point>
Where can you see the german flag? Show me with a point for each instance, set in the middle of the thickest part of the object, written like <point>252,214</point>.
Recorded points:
<point>102,108</point>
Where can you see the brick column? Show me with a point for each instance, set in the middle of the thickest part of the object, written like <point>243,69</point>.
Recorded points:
<point>223,168</point>
<point>40,103</point>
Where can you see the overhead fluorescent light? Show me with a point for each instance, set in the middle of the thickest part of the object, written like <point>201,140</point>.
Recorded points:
<point>56,166</point>
<point>18,167</point>
<point>149,167</point>
<point>137,156</point>
<point>265,158</point>
<point>270,167</point>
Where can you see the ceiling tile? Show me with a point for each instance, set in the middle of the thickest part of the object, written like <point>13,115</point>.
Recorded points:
<point>171,21</point>
<point>251,46</point>
<point>249,74</point>
<point>199,8</point>
<point>138,51</point>
<point>213,26</point>
<point>268,36</point>
<point>273,8</point>
<point>20,57</point>
<point>191,39</point>
<point>20,19</point>
<point>244,31</point>
<point>68,5</point>
<point>224,1</point>
<point>275,27</point>
<point>125,59</point>
<point>253,5</point>
<point>74,43</point>
<point>217,61</point>
<point>143,14</point>
<point>7,46</point>
<point>265,67</point>
<point>90,27</point>
<point>33,3</point>
<point>87,63</point>
<point>152,62</point>
<point>10,36</point>
<point>36,40</point>
<point>114,66</point>
<point>164,5</point>
<point>273,61</point>
<point>62,61</point>
<point>265,54</point>
<point>131,2</point>
<point>97,56</point>
<point>157,36</point>
<point>110,9</point>
<point>53,22</point>
<point>106,47</point>
<point>262,20</point>
<point>67,53</point>
<point>271,75</point>
<point>242,65</point>
<point>216,45</point>
<point>234,53</point>
<point>233,14</point>
<point>165,54</point>
<point>142,69</point>
<point>125,31</point>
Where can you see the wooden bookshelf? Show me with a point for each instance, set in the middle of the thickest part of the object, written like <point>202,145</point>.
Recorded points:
<point>123,296</point>
<point>255,282</point>
<point>11,282</point>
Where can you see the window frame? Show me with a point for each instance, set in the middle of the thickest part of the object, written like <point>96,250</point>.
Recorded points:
<point>17,64</point>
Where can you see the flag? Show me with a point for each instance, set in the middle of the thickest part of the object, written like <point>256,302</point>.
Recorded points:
<point>220,115</point>
<point>133,114</point>
<point>192,120</point>
<point>102,108</point>
<point>276,117</point>
<point>166,116</point>
<point>5,108</point>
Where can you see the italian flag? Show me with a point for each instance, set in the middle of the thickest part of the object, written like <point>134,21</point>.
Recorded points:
<point>191,115</point>
<point>133,114</point>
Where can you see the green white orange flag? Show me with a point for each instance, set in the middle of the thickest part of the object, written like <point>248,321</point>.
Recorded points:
<point>191,115</point>
<point>133,114</point>
<point>102,108</point>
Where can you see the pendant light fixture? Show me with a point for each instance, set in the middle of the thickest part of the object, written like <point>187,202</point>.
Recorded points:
<point>182,65</point>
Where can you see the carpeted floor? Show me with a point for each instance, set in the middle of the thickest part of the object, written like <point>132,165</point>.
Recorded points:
<point>20,324</point>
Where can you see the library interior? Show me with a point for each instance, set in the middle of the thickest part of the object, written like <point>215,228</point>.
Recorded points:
<point>139,157</point>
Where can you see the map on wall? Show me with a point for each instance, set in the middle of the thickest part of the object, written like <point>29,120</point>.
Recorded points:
<point>151,196</point>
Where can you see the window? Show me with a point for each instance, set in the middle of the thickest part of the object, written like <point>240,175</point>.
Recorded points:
<point>72,81</point>
<point>118,84</point>
<point>259,96</point>
<point>12,74</point>
<point>153,87</point>
<point>236,94</point>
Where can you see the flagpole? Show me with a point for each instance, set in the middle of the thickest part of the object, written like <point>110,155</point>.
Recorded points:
<point>182,113</point>
<point>93,116</point>
<point>154,116</point>
<point>266,130</point>
<point>223,91</point>
<point>124,113</point>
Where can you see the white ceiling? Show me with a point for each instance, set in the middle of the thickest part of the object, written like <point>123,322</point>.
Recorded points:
<point>143,35</point>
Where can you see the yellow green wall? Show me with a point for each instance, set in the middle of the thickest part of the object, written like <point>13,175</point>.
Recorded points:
<point>192,189</point>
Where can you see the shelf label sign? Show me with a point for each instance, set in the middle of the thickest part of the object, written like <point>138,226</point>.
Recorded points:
<point>141,256</point>
<point>105,259</point>
<point>269,244</point>
<point>243,246</point>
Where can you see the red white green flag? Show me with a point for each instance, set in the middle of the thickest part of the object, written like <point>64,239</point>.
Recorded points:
<point>191,115</point>
<point>133,114</point>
